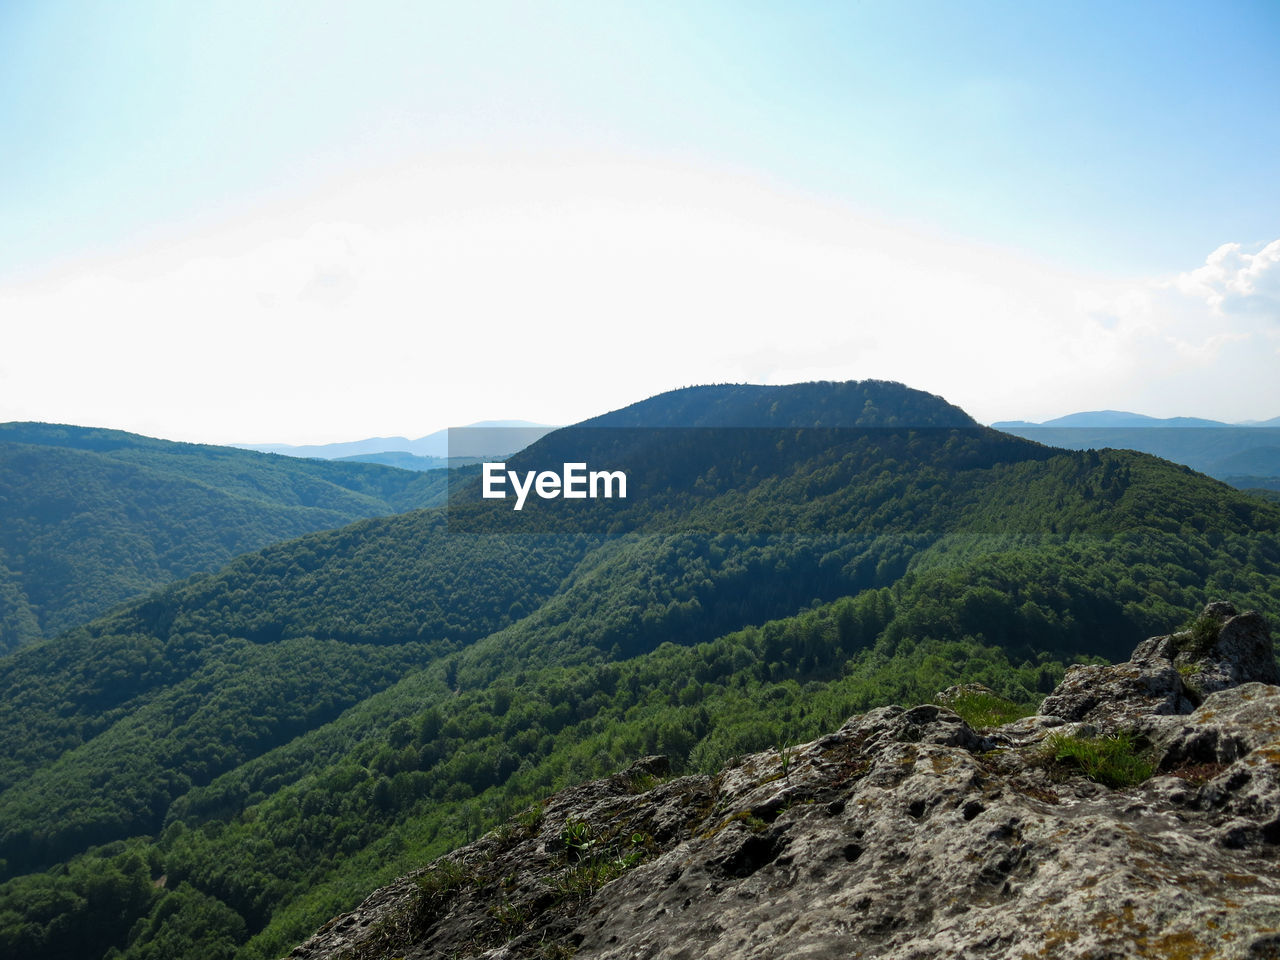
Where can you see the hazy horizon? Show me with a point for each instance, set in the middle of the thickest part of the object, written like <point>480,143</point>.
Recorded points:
<point>262,445</point>
<point>310,223</point>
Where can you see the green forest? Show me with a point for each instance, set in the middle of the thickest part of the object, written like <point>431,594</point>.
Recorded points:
<point>91,517</point>
<point>219,767</point>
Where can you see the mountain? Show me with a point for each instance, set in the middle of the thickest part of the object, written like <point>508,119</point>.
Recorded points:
<point>91,517</point>
<point>480,440</point>
<point>330,451</point>
<point>904,833</point>
<point>1114,419</point>
<point>216,769</point>
<point>865,405</point>
<point>1237,453</point>
<point>498,439</point>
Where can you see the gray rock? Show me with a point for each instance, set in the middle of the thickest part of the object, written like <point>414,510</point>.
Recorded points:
<point>1231,746</point>
<point>1118,695</point>
<point>903,835</point>
<point>1243,653</point>
<point>1227,726</point>
<point>1169,675</point>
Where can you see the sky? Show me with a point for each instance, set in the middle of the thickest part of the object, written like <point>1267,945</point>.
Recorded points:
<point>304,222</point>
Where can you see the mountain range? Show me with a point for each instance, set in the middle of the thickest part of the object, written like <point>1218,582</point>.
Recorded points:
<point>485,439</point>
<point>1246,455</point>
<point>219,767</point>
<point>1121,418</point>
<point>1244,459</point>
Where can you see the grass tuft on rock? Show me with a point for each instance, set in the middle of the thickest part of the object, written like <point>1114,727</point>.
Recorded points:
<point>1114,761</point>
<point>1199,636</point>
<point>985,709</point>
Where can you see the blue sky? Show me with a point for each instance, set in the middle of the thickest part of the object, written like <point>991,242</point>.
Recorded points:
<point>231,189</point>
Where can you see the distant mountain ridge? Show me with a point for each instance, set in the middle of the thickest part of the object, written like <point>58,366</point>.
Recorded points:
<point>432,445</point>
<point>1122,418</point>
<point>330,451</point>
<point>1243,454</point>
<point>398,458</point>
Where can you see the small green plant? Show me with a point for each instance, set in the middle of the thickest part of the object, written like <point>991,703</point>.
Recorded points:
<point>597,859</point>
<point>1114,761</point>
<point>786,757</point>
<point>577,836</point>
<point>979,709</point>
<point>587,876</point>
<point>439,880</point>
<point>520,827</point>
<point>530,817</point>
<point>1199,638</point>
<point>643,782</point>
<point>511,917</point>
<point>554,950</point>
<point>746,817</point>
<point>1188,671</point>
<point>436,885</point>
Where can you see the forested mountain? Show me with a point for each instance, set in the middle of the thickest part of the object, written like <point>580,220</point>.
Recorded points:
<point>91,517</point>
<point>216,769</point>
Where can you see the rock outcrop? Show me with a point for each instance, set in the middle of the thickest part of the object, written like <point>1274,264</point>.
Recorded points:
<point>904,834</point>
<point>1171,674</point>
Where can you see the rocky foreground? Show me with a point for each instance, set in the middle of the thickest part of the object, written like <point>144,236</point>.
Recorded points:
<point>904,834</point>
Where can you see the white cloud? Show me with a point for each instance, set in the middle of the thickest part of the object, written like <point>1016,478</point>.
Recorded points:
<point>555,289</point>
<point>1200,342</point>
<point>1232,281</point>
